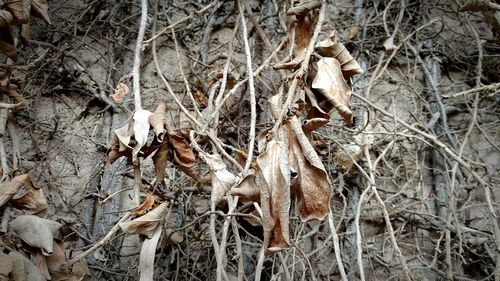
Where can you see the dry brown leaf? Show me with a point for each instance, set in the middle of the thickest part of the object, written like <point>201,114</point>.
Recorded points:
<point>247,189</point>
<point>36,232</point>
<point>316,117</point>
<point>24,269</point>
<point>146,224</point>
<point>41,264</point>
<point>56,262</point>
<point>145,206</point>
<point>314,187</point>
<point>183,153</point>
<point>120,92</point>
<point>160,161</point>
<point>147,256</point>
<point>79,269</point>
<point>274,184</point>
<point>222,179</point>
<point>6,266</point>
<point>9,189</point>
<point>331,84</point>
<point>331,48</point>
<point>30,198</point>
<point>158,121</point>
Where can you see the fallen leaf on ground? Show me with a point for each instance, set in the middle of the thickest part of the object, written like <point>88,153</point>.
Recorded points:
<point>331,84</point>
<point>146,224</point>
<point>41,264</point>
<point>120,92</point>
<point>6,266</point>
<point>30,199</point>
<point>79,269</point>
<point>36,232</point>
<point>9,189</point>
<point>24,269</point>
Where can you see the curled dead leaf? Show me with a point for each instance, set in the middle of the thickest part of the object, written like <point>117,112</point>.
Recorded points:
<point>9,189</point>
<point>331,84</point>
<point>6,266</point>
<point>24,269</point>
<point>30,198</point>
<point>120,92</point>
<point>331,48</point>
<point>146,224</point>
<point>145,206</point>
<point>274,183</point>
<point>314,187</point>
<point>158,121</point>
<point>36,232</point>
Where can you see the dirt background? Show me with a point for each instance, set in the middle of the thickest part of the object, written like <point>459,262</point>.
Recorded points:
<point>68,123</point>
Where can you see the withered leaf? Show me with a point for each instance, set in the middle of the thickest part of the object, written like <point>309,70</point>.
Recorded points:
<point>160,161</point>
<point>274,184</point>
<point>183,153</point>
<point>247,189</point>
<point>24,269</point>
<point>36,232</point>
<point>41,264</point>
<point>56,263</point>
<point>331,48</point>
<point>314,187</point>
<point>146,205</point>
<point>120,92</point>
<point>30,199</point>
<point>146,224</point>
<point>6,266</point>
<point>79,269</point>
<point>316,117</point>
<point>147,256</point>
<point>9,189</point>
<point>158,121</point>
<point>331,84</point>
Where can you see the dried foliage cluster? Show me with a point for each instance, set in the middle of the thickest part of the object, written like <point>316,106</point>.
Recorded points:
<point>266,156</point>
